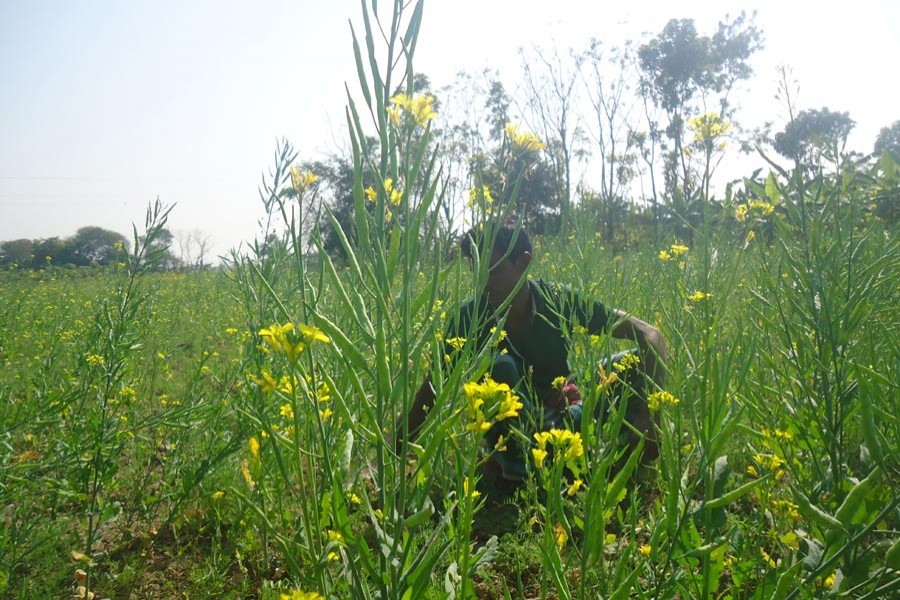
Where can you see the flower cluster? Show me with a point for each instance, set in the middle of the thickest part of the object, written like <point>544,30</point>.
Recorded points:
<point>699,296</point>
<point>456,342</point>
<point>492,399</point>
<point>321,395</point>
<point>757,209</point>
<point>606,380</point>
<point>657,399</point>
<point>767,462</point>
<point>674,251</point>
<point>283,338</point>
<point>788,508</point>
<point>417,108</point>
<point>301,180</point>
<point>708,127</point>
<point>394,195</point>
<point>267,383</point>
<point>567,447</point>
<point>482,199</point>
<point>627,362</point>
<point>95,360</point>
<point>777,435</point>
<point>523,140</point>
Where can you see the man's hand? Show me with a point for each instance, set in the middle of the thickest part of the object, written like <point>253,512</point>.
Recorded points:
<point>650,342</point>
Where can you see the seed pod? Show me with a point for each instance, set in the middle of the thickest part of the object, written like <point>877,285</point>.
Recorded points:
<point>869,430</point>
<point>816,514</point>
<point>856,497</point>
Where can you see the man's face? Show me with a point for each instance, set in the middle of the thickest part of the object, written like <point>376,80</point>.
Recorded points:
<point>504,275</point>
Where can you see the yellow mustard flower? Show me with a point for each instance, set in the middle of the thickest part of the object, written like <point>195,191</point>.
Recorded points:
<point>560,535</point>
<point>457,342</point>
<point>301,180</point>
<point>567,445</point>
<point>275,336</point>
<point>761,207</point>
<point>245,471</point>
<point>627,362</point>
<point>657,399</point>
<point>419,108</point>
<point>497,398</point>
<point>335,536</point>
<point>313,334</point>
<point>265,381</point>
<point>574,487</point>
<point>539,456</point>
<point>474,494</point>
<point>509,407</point>
<point>708,127</point>
<point>523,140</point>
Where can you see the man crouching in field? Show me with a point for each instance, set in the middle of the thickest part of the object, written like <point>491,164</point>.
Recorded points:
<point>532,356</point>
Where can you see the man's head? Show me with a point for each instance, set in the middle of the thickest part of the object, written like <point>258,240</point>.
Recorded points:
<point>509,248</point>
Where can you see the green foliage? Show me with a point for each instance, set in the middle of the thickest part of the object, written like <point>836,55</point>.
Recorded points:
<point>814,137</point>
<point>888,141</point>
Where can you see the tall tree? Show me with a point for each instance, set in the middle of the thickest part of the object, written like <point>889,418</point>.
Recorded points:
<point>95,245</point>
<point>683,71</point>
<point>815,137</point>
<point>888,141</point>
<point>551,94</point>
<point>17,252</point>
<point>606,79</point>
<point>52,251</point>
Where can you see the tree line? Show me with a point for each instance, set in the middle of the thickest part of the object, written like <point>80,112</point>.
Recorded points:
<point>96,246</point>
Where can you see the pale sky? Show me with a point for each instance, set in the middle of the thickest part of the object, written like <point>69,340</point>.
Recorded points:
<point>105,105</point>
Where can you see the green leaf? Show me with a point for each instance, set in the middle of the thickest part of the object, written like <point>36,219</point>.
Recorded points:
<point>813,554</point>
<point>786,582</point>
<point>360,69</point>
<point>624,590</point>
<point>616,490</point>
<point>734,494</point>
<point>892,557</point>
<point>773,193</point>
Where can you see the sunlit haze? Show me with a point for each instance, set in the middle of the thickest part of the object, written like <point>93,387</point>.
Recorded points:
<point>105,106</point>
